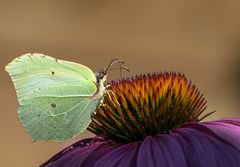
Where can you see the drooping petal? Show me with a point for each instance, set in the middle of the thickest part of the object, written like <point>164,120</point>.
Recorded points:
<point>161,150</point>
<point>195,148</point>
<point>207,148</point>
<point>227,129</point>
<point>172,150</point>
<point>76,157</point>
<point>150,153</point>
<point>96,155</point>
<point>124,155</point>
<point>78,144</point>
<point>82,153</point>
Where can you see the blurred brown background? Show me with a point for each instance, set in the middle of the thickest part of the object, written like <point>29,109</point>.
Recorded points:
<point>199,38</point>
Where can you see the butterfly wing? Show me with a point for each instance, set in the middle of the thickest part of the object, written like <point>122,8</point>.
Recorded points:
<point>55,96</point>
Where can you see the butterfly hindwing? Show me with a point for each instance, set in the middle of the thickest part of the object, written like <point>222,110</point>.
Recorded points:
<point>54,118</point>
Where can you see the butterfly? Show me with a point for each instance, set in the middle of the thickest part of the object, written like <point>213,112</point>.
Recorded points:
<point>56,98</point>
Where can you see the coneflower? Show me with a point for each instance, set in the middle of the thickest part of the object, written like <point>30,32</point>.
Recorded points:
<point>154,120</point>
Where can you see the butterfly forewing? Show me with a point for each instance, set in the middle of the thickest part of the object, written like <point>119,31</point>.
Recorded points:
<point>55,96</point>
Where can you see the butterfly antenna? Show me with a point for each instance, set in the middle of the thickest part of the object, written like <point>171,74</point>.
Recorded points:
<point>104,71</point>
<point>118,68</point>
<point>112,62</point>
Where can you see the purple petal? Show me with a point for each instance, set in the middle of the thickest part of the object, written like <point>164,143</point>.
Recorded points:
<point>195,148</point>
<point>161,150</point>
<point>150,154</point>
<point>228,130</point>
<point>97,154</point>
<point>123,156</point>
<point>76,157</point>
<point>79,144</point>
<point>208,149</point>
<point>172,151</point>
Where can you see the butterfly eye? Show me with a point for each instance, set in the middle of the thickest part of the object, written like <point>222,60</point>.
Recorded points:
<point>53,72</point>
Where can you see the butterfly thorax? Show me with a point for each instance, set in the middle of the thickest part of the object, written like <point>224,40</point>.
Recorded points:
<point>101,77</point>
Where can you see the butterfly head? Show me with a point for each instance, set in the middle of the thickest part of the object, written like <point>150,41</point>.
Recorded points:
<point>101,75</point>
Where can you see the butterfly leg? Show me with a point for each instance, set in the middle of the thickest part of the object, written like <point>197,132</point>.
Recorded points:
<point>107,86</point>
